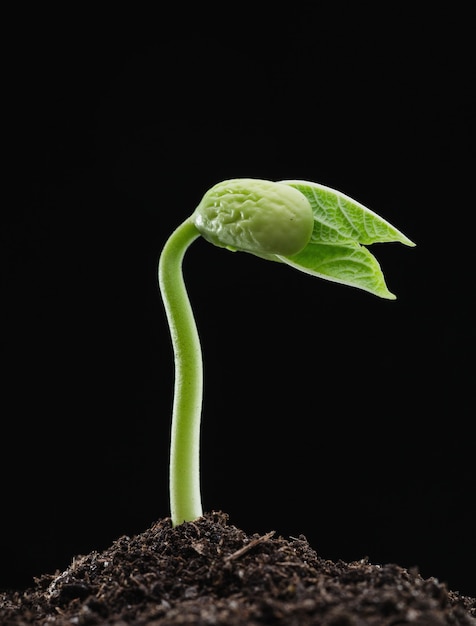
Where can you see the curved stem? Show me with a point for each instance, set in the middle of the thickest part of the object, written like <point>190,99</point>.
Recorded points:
<point>184,477</point>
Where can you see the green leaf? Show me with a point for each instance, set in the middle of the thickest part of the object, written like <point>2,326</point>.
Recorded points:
<point>334,252</point>
<point>349,264</point>
<point>338,218</point>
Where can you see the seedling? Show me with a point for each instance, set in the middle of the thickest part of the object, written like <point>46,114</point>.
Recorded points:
<point>313,228</point>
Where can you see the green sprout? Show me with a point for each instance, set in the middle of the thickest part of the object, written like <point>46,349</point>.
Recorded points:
<point>308,226</point>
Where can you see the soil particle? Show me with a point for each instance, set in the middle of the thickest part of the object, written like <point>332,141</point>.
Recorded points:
<point>209,572</point>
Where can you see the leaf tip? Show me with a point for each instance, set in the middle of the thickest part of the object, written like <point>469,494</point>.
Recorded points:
<point>408,242</point>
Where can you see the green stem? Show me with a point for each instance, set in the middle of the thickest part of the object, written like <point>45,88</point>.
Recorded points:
<point>184,477</point>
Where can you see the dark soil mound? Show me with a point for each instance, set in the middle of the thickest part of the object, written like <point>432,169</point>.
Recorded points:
<point>210,572</point>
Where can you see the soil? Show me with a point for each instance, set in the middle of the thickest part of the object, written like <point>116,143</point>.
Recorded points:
<point>211,572</point>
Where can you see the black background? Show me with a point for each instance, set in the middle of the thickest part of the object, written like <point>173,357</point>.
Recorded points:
<point>328,412</point>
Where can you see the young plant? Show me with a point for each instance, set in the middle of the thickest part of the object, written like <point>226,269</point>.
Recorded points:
<point>304,225</point>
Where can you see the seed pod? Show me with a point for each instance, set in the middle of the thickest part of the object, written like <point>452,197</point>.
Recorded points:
<point>257,216</point>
